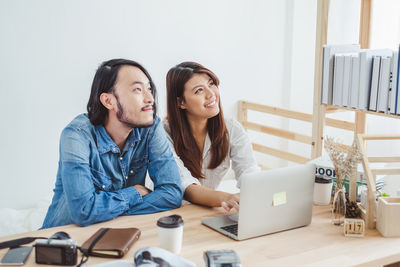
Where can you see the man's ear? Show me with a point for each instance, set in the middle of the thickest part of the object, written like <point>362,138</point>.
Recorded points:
<point>106,100</point>
<point>181,103</point>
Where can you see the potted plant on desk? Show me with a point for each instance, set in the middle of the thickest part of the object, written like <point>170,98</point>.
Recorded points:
<point>345,162</point>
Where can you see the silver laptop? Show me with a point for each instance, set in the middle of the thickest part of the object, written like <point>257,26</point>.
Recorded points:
<point>270,201</point>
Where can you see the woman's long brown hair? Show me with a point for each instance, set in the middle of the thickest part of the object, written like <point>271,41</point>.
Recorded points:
<point>179,128</point>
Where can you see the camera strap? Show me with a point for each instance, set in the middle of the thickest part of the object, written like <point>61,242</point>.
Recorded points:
<point>85,254</point>
<point>17,242</point>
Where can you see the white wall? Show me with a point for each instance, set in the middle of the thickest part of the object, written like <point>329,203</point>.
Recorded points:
<point>262,51</point>
<point>51,49</point>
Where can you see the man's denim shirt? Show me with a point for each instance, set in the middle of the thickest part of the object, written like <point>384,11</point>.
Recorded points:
<point>95,179</point>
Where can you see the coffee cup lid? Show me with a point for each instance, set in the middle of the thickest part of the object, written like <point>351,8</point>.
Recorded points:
<point>323,180</point>
<point>172,221</point>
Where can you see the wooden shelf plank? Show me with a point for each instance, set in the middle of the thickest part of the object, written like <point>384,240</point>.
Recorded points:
<point>278,132</point>
<point>280,154</point>
<point>387,171</point>
<point>282,112</point>
<point>362,111</point>
<point>381,137</point>
<point>383,159</point>
<point>341,124</point>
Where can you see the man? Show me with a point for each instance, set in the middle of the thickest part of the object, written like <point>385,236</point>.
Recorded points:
<point>105,154</point>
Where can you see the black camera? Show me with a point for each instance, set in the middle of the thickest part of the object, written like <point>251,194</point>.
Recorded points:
<point>221,258</point>
<point>59,249</point>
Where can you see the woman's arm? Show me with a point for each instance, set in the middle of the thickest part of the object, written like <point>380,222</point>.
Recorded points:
<point>212,198</point>
<point>195,192</point>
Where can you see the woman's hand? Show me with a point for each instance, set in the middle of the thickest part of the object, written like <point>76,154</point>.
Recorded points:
<point>230,202</point>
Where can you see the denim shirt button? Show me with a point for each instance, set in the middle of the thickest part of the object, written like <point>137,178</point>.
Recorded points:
<point>126,177</point>
<point>131,171</point>
<point>114,149</point>
<point>121,158</point>
<point>103,186</point>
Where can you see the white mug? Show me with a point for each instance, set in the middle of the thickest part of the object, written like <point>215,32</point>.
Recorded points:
<point>322,191</point>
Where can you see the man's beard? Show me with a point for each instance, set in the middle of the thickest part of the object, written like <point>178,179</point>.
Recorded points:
<point>126,121</point>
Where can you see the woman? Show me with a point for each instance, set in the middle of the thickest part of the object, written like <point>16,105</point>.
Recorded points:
<point>204,142</point>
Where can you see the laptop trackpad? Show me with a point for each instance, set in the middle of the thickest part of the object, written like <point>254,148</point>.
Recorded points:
<point>234,216</point>
<point>222,224</point>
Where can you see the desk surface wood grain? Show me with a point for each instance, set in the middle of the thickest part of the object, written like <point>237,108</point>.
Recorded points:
<point>318,244</point>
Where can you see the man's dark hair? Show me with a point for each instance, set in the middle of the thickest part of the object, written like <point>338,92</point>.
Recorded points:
<point>104,81</point>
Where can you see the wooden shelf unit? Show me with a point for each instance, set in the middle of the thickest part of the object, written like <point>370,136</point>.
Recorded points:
<point>245,106</point>
<point>359,126</point>
<point>319,119</point>
<point>368,214</point>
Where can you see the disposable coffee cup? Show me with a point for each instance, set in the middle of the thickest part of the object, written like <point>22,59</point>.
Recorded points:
<point>170,231</point>
<point>322,190</point>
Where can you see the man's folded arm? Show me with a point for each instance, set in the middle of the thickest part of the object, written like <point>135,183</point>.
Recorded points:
<point>164,173</point>
<point>164,197</point>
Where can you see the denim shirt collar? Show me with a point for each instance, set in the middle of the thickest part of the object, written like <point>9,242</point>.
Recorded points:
<point>106,144</point>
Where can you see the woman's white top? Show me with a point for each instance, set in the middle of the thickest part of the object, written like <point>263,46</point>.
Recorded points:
<point>240,155</point>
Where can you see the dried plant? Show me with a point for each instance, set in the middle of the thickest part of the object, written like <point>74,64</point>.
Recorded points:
<point>344,162</point>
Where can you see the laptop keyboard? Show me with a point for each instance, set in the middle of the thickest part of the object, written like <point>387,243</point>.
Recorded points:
<point>233,229</point>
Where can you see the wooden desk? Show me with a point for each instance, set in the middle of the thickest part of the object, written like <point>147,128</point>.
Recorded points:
<point>319,244</point>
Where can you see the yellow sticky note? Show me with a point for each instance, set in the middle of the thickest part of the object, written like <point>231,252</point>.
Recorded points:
<point>279,199</point>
